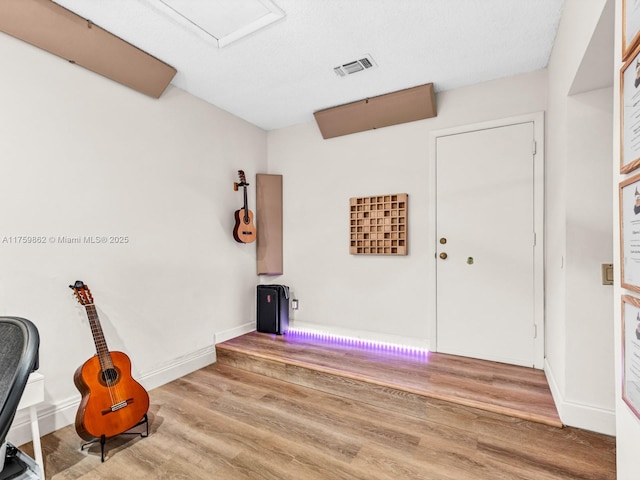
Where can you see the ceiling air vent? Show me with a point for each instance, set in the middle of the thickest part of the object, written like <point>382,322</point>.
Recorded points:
<point>364,63</point>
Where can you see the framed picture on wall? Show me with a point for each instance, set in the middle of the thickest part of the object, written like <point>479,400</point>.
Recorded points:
<point>630,233</point>
<point>631,353</point>
<point>630,113</point>
<point>630,26</point>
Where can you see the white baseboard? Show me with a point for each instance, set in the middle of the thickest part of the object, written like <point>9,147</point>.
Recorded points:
<point>179,367</point>
<point>52,417</point>
<point>589,418</point>
<point>422,344</point>
<point>330,330</point>
<point>553,385</point>
<point>225,335</point>
<point>579,415</point>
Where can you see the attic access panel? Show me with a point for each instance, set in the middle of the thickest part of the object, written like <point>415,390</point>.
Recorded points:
<point>53,28</point>
<point>223,20</point>
<point>403,106</point>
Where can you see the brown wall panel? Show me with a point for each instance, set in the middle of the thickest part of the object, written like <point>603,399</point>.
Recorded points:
<point>403,106</point>
<point>269,224</point>
<point>49,26</point>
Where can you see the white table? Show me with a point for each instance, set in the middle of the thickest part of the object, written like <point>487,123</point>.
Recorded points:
<point>33,395</point>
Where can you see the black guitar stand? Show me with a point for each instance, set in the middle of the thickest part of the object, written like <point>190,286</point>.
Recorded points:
<point>103,439</point>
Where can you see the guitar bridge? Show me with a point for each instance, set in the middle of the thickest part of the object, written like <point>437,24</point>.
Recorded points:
<point>117,406</point>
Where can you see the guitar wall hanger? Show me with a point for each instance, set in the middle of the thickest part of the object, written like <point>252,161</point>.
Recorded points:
<point>244,231</point>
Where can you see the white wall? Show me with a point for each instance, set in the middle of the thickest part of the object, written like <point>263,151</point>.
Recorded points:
<point>385,297</point>
<point>83,156</point>
<point>579,334</point>
<point>589,330</point>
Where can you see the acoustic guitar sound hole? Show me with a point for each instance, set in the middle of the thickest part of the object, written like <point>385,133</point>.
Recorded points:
<point>109,376</point>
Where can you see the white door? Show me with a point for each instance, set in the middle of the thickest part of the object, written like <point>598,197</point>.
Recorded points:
<point>485,244</point>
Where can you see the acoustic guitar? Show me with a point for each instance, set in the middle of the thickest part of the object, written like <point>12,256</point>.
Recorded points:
<point>244,231</point>
<point>112,401</point>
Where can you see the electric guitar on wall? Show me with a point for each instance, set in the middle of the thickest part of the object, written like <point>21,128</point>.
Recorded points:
<point>112,401</point>
<point>244,230</point>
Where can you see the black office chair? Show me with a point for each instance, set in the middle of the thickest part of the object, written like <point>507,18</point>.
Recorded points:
<point>19,344</point>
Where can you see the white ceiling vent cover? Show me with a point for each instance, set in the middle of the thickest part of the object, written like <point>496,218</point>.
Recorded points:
<point>355,66</point>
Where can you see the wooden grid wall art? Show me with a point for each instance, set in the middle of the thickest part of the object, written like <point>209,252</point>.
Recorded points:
<point>378,225</point>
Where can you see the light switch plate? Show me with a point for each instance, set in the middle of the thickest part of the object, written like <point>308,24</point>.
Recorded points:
<point>607,274</point>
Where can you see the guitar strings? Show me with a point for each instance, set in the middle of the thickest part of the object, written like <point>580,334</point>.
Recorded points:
<point>106,364</point>
<point>103,362</point>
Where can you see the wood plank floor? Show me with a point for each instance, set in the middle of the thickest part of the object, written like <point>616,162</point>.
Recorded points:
<point>507,389</point>
<point>223,422</point>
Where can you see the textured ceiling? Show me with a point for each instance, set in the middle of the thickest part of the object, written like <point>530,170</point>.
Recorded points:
<point>279,75</point>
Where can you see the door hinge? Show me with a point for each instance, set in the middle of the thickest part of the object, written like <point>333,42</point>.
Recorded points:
<point>534,147</point>
<point>535,331</point>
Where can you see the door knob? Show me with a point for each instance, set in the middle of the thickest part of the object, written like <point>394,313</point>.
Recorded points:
<point>443,256</point>
<point>443,240</point>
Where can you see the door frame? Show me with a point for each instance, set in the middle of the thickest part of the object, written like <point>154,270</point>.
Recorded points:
<point>537,118</point>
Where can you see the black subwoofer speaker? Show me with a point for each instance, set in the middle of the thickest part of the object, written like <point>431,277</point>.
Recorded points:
<point>273,309</point>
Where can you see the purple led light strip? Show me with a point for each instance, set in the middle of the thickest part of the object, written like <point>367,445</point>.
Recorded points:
<point>304,333</point>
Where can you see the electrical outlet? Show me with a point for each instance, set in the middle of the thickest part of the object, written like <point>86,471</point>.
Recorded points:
<point>294,304</point>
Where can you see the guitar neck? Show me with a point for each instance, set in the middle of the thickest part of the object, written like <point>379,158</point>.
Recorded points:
<point>98,337</point>
<point>246,211</point>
